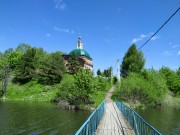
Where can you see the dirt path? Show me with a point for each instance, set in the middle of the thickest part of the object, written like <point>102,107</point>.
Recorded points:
<point>109,95</point>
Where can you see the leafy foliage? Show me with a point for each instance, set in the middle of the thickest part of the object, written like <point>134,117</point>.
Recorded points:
<point>51,69</point>
<point>73,64</point>
<point>148,90</point>
<point>81,88</point>
<point>172,78</point>
<point>25,70</point>
<point>98,72</point>
<point>133,61</point>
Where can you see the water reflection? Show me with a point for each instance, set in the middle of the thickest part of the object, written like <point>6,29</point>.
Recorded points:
<point>34,118</point>
<point>165,119</point>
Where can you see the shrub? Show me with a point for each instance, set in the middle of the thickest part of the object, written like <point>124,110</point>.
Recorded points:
<point>172,78</point>
<point>149,91</point>
<point>77,89</point>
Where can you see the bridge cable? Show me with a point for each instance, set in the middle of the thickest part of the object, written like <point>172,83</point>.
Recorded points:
<point>159,29</point>
<point>155,33</point>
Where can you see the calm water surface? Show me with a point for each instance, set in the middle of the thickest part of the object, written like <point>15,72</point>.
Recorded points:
<point>166,119</point>
<point>34,118</point>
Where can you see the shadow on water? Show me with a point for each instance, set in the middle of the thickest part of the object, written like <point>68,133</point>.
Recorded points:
<point>164,119</point>
<point>34,118</point>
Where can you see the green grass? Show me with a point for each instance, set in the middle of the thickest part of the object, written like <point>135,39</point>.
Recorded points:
<point>30,91</point>
<point>33,91</point>
<point>171,101</point>
<point>99,96</point>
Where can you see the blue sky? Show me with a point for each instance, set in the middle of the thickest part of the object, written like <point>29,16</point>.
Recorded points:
<point>107,27</point>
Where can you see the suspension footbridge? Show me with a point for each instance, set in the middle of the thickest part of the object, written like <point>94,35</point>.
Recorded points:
<point>115,118</point>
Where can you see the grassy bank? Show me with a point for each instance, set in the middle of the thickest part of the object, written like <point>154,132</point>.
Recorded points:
<point>140,92</point>
<point>99,96</point>
<point>30,91</point>
<point>171,101</point>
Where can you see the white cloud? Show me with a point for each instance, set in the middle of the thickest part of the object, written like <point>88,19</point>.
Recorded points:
<point>64,30</point>
<point>136,40</point>
<point>59,4</point>
<point>167,53</point>
<point>48,35</point>
<point>154,38</point>
<point>178,53</point>
<point>142,36</point>
<point>175,46</point>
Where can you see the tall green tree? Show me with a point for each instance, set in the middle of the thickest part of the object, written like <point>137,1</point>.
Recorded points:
<point>84,84</point>
<point>73,64</point>
<point>23,48</point>
<point>107,72</point>
<point>52,69</point>
<point>4,70</point>
<point>8,51</point>
<point>25,70</point>
<point>133,61</point>
<point>172,79</point>
<point>13,58</point>
<point>98,72</point>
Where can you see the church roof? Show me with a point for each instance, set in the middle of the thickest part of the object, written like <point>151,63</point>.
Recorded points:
<point>80,52</point>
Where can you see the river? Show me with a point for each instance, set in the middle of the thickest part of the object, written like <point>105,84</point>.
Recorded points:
<point>165,119</point>
<point>34,118</point>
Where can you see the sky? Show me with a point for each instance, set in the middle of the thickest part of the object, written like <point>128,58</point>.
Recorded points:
<point>107,27</point>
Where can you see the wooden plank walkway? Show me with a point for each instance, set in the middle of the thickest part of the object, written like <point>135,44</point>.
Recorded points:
<point>113,122</point>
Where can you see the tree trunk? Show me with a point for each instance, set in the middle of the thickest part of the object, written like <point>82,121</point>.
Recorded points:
<point>5,80</point>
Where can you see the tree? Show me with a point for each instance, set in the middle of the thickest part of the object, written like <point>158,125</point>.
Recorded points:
<point>77,89</point>
<point>39,57</point>
<point>52,69</point>
<point>5,80</point>
<point>13,58</point>
<point>133,61</point>
<point>23,48</point>
<point>84,84</point>
<point>8,51</point>
<point>98,72</point>
<point>4,70</point>
<point>107,72</point>
<point>25,70</point>
<point>172,79</point>
<point>73,64</point>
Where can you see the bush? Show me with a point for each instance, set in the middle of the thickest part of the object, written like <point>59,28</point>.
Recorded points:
<point>30,91</point>
<point>82,88</point>
<point>66,89</point>
<point>172,78</point>
<point>135,88</point>
<point>77,89</point>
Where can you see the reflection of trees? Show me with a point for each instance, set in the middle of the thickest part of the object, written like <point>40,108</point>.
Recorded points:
<point>165,119</point>
<point>31,117</point>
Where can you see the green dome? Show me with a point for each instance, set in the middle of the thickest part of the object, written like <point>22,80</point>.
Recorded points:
<point>80,52</point>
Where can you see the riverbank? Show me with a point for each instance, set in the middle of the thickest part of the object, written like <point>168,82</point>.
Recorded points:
<point>32,91</point>
<point>171,101</point>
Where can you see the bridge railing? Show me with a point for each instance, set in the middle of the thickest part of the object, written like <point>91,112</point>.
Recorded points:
<point>138,124</point>
<point>90,125</point>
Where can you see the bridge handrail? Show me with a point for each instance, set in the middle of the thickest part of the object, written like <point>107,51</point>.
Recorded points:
<point>138,124</point>
<point>90,125</point>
